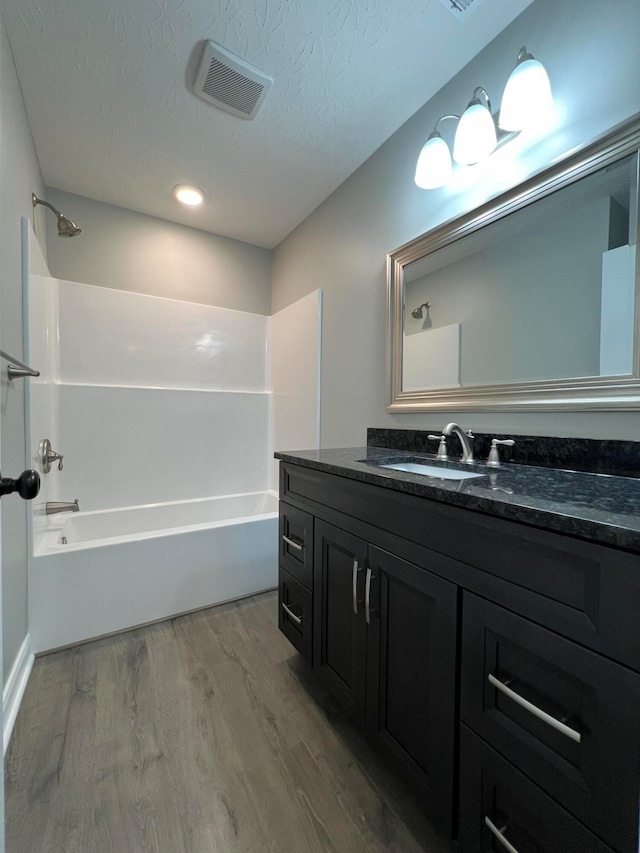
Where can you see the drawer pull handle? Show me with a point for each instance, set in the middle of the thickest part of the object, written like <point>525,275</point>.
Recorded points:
<point>291,614</point>
<point>354,582</point>
<point>533,709</point>
<point>498,834</point>
<point>367,597</point>
<point>293,544</point>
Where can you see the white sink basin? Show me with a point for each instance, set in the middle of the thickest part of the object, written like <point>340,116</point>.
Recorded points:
<point>431,471</point>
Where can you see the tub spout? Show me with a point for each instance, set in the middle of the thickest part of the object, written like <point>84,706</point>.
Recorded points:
<point>62,506</point>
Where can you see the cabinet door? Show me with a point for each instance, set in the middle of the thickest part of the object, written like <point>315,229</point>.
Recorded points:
<point>411,673</point>
<point>340,629</point>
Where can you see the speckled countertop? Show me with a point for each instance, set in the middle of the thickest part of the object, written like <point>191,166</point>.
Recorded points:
<point>596,507</point>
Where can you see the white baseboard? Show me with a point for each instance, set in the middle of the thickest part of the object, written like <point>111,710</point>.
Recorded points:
<point>15,687</point>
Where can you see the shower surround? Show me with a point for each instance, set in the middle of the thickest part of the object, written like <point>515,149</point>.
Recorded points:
<point>167,414</point>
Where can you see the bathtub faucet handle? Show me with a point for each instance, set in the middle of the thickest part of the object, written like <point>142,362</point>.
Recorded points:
<point>47,456</point>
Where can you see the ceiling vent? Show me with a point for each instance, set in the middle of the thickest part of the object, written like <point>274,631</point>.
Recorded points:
<point>461,9</point>
<point>229,82</point>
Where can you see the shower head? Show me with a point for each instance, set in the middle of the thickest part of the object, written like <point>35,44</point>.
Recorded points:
<point>66,227</point>
<point>417,312</point>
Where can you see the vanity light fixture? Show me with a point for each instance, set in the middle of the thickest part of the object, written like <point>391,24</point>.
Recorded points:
<point>434,166</point>
<point>187,194</point>
<point>526,101</point>
<point>476,135</point>
<point>527,98</point>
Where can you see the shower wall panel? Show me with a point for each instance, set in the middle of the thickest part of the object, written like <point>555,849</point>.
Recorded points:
<point>113,337</point>
<point>130,446</point>
<point>149,399</point>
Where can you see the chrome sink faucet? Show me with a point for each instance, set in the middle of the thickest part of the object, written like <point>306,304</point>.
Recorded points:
<point>466,440</point>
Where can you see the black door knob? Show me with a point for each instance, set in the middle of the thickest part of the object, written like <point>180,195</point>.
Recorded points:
<point>27,485</point>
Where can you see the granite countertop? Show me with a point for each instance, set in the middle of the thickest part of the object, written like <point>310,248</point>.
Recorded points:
<point>595,507</point>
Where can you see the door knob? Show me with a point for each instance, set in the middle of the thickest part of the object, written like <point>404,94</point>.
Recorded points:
<point>27,485</point>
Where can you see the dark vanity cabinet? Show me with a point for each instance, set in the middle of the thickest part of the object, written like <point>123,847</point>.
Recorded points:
<point>495,665</point>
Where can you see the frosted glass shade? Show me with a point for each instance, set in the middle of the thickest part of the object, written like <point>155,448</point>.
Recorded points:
<point>434,167</point>
<point>527,98</point>
<point>475,136</point>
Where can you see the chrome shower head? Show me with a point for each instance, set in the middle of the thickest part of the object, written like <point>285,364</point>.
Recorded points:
<point>66,227</point>
<point>417,312</point>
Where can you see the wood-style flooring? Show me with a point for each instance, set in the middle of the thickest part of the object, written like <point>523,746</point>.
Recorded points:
<point>201,734</point>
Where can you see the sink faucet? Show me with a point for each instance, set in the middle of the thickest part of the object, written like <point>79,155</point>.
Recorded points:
<point>62,506</point>
<point>466,439</point>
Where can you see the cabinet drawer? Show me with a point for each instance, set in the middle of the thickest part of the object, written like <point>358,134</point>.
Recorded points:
<point>295,614</point>
<point>494,795</point>
<point>296,543</point>
<point>565,716</point>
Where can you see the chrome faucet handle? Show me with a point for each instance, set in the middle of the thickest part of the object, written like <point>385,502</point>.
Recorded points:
<point>442,453</point>
<point>468,457</point>
<point>46,456</point>
<point>493,460</point>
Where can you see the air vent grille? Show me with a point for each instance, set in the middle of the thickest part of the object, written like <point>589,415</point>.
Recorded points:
<point>229,82</point>
<point>461,9</point>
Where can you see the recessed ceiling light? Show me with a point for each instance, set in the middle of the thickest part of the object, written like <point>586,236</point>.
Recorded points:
<point>188,194</point>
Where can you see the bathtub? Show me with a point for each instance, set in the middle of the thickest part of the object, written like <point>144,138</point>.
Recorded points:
<point>96,573</point>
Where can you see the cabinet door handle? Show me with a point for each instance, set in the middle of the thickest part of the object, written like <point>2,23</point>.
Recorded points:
<point>367,597</point>
<point>533,709</point>
<point>354,580</point>
<point>293,544</point>
<point>494,829</point>
<point>291,614</point>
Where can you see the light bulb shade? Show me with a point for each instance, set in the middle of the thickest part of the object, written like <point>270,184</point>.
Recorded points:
<point>475,136</point>
<point>527,98</point>
<point>433,168</point>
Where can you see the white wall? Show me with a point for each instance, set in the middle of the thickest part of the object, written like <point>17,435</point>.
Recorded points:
<point>154,400</point>
<point>590,51</point>
<point>295,360</point>
<point>19,177</point>
<point>149,399</point>
<point>132,251</point>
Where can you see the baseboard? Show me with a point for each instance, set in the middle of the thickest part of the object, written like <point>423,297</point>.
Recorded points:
<point>15,687</point>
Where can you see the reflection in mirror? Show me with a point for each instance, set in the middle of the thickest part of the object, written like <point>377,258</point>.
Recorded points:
<point>545,293</point>
<point>532,297</point>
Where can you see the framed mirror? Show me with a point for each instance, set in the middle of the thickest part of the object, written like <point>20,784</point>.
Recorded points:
<point>530,302</point>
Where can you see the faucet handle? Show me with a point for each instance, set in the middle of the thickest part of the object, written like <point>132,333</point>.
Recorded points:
<point>442,453</point>
<point>493,459</point>
<point>46,456</point>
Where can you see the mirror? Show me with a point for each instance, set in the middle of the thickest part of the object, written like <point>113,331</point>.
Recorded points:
<point>529,302</point>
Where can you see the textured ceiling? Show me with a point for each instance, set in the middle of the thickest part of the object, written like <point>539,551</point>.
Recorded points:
<point>107,88</point>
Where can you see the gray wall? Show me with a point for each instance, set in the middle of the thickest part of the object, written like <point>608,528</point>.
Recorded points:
<point>590,51</point>
<point>132,251</point>
<point>19,177</point>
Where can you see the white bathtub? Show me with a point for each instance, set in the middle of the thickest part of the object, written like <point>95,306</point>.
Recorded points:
<point>125,567</point>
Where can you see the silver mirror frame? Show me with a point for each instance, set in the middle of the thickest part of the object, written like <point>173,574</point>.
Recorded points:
<point>608,393</point>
